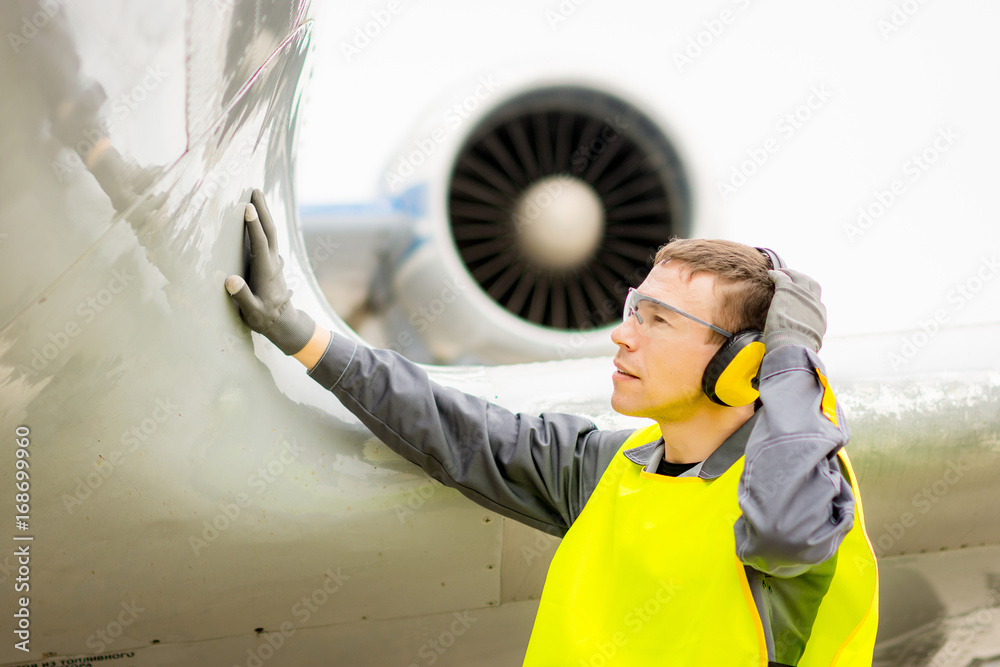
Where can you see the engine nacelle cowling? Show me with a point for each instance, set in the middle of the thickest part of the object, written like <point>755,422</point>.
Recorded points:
<point>542,209</point>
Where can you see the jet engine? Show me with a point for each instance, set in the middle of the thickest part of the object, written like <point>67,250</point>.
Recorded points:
<point>534,214</point>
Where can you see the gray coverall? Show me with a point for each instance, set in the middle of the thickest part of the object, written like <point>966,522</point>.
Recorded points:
<point>540,470</point>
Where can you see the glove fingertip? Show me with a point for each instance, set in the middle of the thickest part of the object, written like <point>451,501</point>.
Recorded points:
<point>234,284</point>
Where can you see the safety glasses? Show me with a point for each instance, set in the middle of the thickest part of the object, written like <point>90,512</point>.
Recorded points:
<point>651,315</point>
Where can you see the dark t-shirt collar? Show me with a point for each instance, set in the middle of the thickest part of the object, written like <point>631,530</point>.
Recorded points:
<point>718,462</point>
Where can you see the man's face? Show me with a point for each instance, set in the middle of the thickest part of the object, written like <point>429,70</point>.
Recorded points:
<point>660,378</point>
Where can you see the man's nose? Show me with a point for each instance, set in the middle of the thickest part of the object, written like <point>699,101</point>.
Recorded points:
<point>624,334</point>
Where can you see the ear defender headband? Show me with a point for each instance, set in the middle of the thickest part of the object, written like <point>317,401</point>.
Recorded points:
<point>731,377</point>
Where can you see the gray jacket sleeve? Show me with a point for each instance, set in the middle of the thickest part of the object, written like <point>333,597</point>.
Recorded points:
<point>537,470</point>
<point>796,504</point>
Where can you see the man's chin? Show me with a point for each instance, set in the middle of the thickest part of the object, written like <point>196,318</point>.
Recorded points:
<point>623,406</point>
<point>631,406</point>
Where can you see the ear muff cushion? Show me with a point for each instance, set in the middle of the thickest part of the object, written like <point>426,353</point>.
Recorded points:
<point>729,376</point>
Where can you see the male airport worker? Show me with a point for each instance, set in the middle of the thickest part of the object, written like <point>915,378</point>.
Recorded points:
<point>724,534</point>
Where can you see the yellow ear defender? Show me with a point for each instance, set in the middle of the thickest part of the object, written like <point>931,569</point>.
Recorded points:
<point>731,376</point>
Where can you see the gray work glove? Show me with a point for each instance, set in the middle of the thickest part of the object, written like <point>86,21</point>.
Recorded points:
<point>796,315</point>
<point>265,301</point>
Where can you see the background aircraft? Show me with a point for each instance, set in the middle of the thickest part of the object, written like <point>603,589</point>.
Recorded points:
<point>195,499</point>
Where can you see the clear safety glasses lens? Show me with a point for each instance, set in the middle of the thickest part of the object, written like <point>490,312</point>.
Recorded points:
<point>653,317</point>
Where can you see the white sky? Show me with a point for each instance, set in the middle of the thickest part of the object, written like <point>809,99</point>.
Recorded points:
<point>885,95</point>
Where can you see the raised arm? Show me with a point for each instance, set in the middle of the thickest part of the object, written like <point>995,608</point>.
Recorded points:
<point>539,470</point>
<point>796,504</point>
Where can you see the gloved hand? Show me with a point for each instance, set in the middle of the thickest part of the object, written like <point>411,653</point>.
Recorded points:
<point>266,302</point>
<point>796,315</point>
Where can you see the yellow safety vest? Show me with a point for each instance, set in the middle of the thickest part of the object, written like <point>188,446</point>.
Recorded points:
<point>648,575</point>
